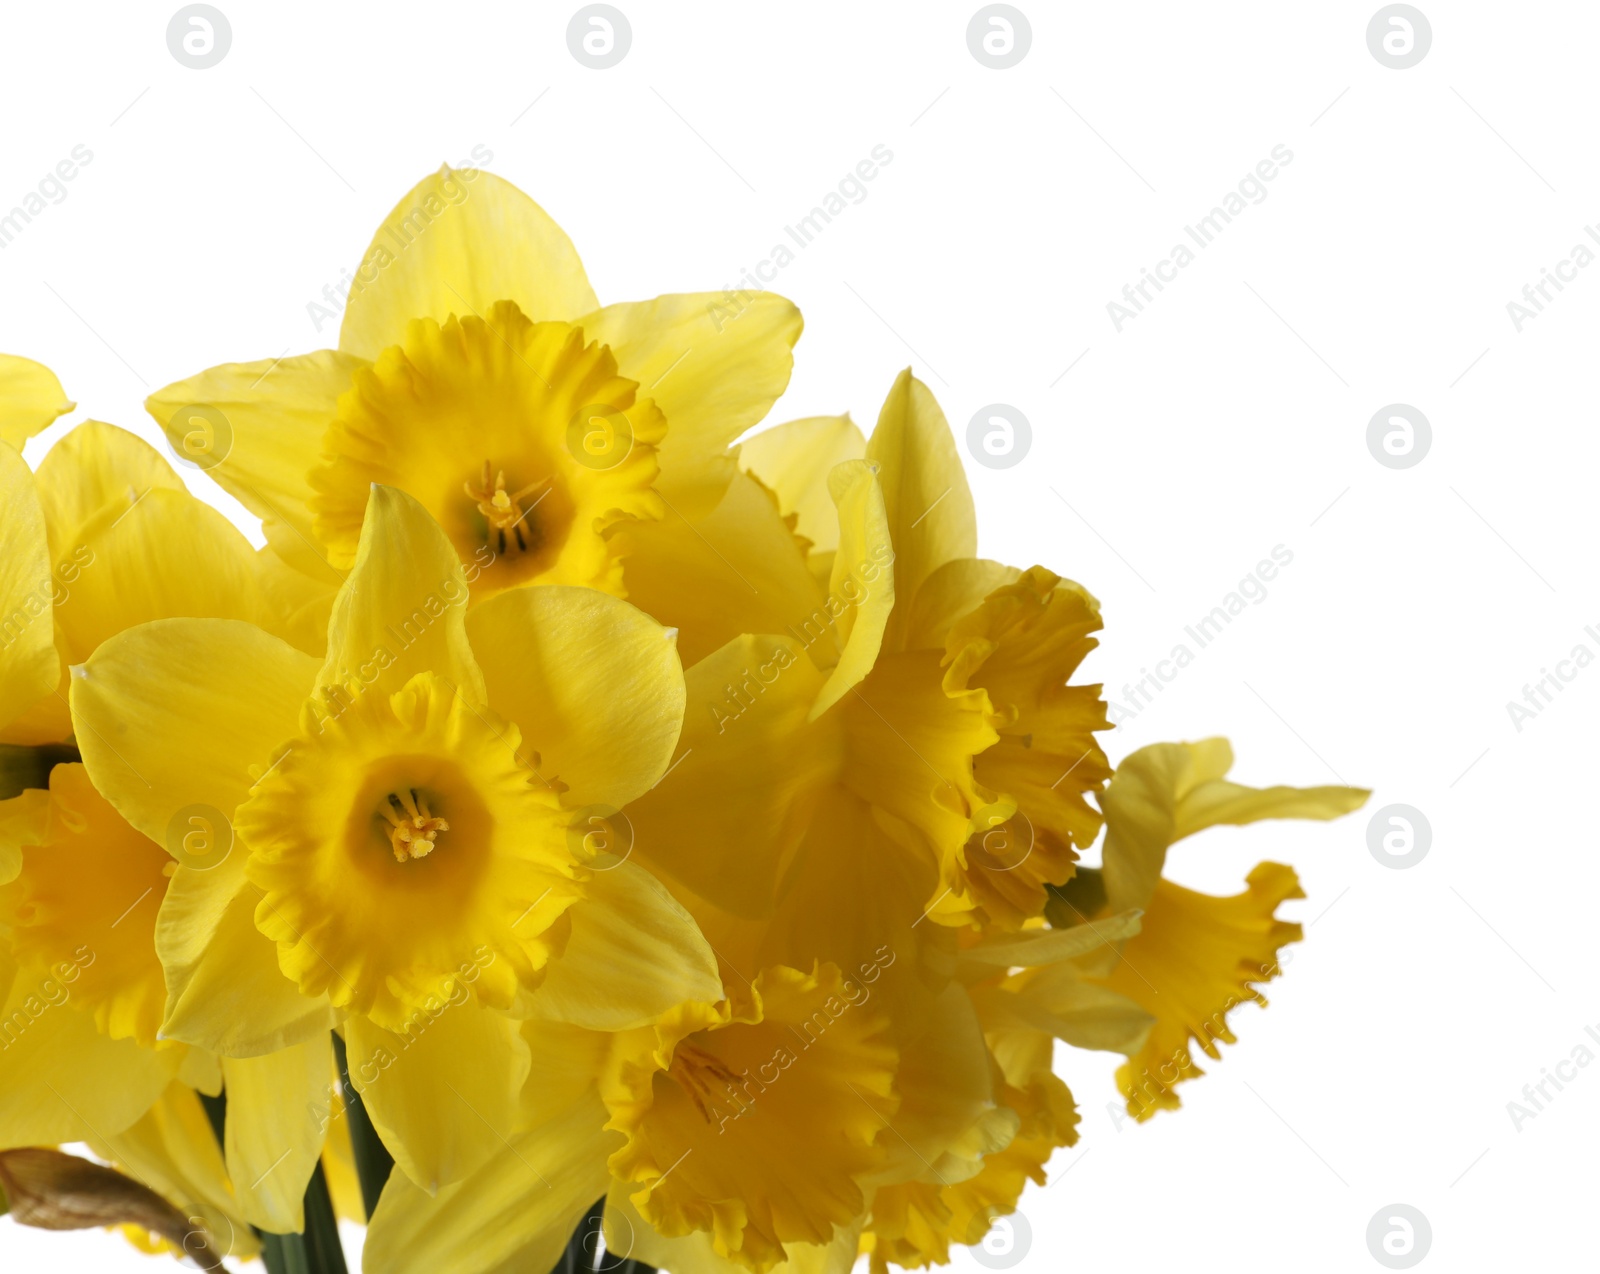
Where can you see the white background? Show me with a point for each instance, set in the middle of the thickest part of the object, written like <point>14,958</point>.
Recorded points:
<point>1224,420</point>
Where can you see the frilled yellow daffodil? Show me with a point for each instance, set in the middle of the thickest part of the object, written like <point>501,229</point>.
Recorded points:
<point>477,371</point>
<point>826,770</point>
<point>412,863</point>
<point>1196,957</point>
<point>888,685</point>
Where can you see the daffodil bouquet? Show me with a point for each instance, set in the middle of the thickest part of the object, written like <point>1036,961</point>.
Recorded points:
<point>578,838</point>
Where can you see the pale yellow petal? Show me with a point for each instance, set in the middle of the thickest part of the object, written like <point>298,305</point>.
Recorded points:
<point>634,953</point>
<point>748,772</point>
<point>169,556</point>
<point>738,570</point>
<point>91,477</point>
<point>444,1094</point>
<point>594,683</point>
<point>515,1214</point>
<point>1033,947</point>
<point>456,243</point>
<point>257,428</point>
<point>175,714</point>
<point>225,990</point>
<point>22,822</point>
<point>403,608</point>
<point>930,508</point>
<point>794,460</point>
<point>1057,1000</point>
<point>278,1108</point>
<point>30,398</point>
<point>713,375</point>
<point>60,1078</point>
<point>174,1151</point>
<point>861,584</point>
<point>1167,791</point>
<point>28,663</point>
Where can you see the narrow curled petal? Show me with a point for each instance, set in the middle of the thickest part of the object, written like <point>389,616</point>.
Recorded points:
<point>793,460</point>
<point>861,592</point>
<point>713,374</point>
<point>931,515</point>
<point>594,683</point>
<point>278,1108</point>
<point>456,243</point>
<point>1167,791</point>
<point>30,398</point>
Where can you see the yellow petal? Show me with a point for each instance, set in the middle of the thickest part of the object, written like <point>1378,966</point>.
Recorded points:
<point>594,683</point>
<point>1197,959</point>
<point>444,1094</point>
<point>225,991</point>
<point>925,490</point>
<point>516,1213</point>
<point>174,714</point>
<point>92,884</point>
<point>633,954</point>
<point>30,398</point>
<point>90,478</point>
<point>459,241</point>
<point>278,1108</point>
<point>169,556</point>
<point>738,570</point>
<point>402,610</point>
<point>1034,947</point>
<point>760,1127</point>
<point>861,585</point>
<point>1167,791</point>
<point>714,377</point>
<point>22,822</point>
<point>174,1151</point>
<point>794,460</point>
<point>910,750</point>
<point>28,663</point>
<point>748,773</point>
<point>60,1078</point>
<point>267,438</point>
<point>1059,1000</point>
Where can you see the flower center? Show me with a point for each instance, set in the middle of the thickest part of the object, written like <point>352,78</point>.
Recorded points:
<point>504,513</point>
<point>694,1071</point>
<point>412,827</point>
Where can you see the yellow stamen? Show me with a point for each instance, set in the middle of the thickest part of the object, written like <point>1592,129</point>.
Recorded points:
<point>504,512</point>
<point>693,1070</point>
<point>412,826</point>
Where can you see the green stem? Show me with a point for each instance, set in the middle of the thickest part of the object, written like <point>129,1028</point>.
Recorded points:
<point>373,1160</point>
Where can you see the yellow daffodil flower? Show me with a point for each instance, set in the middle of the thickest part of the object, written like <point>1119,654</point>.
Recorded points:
<point>1196,957</point>
<point>410,863</point>
<point>477,371</point>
